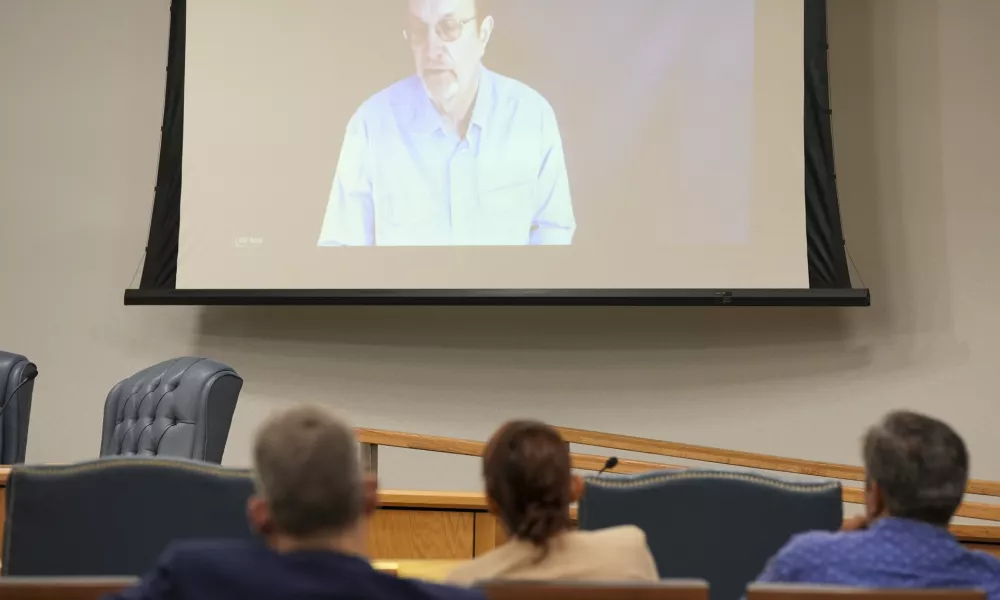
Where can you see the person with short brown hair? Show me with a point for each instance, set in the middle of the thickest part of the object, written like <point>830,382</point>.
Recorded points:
<point>916,472</point>
<point>310,510</point>
<point>529,487</point>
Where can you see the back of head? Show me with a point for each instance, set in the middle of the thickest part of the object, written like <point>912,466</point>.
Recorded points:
<point>308,472</point>
<point>529,480</point>
<point>920,464</point>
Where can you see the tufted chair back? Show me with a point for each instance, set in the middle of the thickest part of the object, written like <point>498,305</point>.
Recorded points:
<point>14,370</point>
<point>115,516</point>
<point>182,407</point>
<point>685,514</point>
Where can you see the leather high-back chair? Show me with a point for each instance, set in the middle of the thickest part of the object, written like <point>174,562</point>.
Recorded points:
<point>17,375</point>
<point>115,516</point>
<point>719,526</point>
<point>182,407</point>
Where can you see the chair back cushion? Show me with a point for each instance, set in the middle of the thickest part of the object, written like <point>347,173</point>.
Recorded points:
<point>718,526</point>
<point>114,517</point>
<point>182,408</point>
<point>14,421</point>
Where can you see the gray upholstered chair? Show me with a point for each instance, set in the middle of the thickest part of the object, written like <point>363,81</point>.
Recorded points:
<point>17,376</point>
<point>181,408</point>
<point>114,516</point>
<point>720,526</point>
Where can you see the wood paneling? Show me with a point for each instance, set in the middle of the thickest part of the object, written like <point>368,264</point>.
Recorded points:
<point>422,534</point>
<point>993,549</point>
<point>489,533</point>
<point>443,500</point>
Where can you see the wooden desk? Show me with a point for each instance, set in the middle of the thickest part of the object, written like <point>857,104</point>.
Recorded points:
<point>435,571</point>
<point>62,588</point>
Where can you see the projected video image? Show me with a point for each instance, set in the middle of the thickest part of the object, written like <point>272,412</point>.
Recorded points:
<point>492,144</point>
<point>460,154</point>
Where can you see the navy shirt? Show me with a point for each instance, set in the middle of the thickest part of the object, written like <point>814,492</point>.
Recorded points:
<point>247,570</point>
<point>892,553</point>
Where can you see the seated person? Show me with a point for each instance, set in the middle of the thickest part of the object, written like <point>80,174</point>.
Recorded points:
<point>529,488</point>
<point>310,509</point>
<point>917,468</point>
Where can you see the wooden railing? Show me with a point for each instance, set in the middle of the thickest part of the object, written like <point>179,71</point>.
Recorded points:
<point>373,438</point>
<point>738,459</point>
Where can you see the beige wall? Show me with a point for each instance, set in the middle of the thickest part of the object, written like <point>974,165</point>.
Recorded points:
<point>915,89</point>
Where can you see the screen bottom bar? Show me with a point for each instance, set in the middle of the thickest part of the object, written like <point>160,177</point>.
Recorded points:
<point>645,297</point>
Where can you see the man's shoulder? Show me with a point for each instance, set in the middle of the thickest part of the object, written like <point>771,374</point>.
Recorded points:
<point>402,92</point>
<point>510,89</point>
<point>613,538</point>
<point>987,562</point>
<point>818,546</point>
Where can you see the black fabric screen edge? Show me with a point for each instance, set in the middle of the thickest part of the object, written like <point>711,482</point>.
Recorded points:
<point>826,254</point>
<point>824,231</point>
<point>160,268</point>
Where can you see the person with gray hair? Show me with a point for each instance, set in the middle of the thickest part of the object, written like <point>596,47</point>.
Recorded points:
<point>310,509</point>
<point>917,469</point>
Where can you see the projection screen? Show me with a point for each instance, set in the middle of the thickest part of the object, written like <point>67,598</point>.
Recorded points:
<point>512,144</point>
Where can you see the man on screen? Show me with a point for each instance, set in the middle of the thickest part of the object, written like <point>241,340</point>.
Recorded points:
<point>456,155</point>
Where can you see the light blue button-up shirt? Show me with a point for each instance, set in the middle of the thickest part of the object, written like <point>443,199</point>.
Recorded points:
<point>404,180</point>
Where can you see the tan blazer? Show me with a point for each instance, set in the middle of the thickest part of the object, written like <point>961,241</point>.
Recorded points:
<point>614,554</point>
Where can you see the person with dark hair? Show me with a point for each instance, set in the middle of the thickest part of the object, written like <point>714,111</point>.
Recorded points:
<point>455,155</point>
<point>310,510</point>
<point>916,470</point>
<point>529,488</point>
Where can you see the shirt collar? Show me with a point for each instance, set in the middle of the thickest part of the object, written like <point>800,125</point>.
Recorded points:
<point>427,120</point>
<point>911,527</point>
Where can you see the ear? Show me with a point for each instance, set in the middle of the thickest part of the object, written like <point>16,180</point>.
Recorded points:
<point>874,501</point>
<point>577,485</point>
<point>259,515</point>
<point>486,31</point>
<point>369,486</point>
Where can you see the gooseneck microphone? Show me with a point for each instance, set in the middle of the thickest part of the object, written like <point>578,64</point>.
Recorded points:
<point>30,372</point>
<point>611,463</point>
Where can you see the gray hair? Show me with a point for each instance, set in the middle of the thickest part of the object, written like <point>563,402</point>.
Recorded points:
<point>920,464</point>
<point>308,471</point>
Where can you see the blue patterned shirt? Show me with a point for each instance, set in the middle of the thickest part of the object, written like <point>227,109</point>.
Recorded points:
<point>892,553</point>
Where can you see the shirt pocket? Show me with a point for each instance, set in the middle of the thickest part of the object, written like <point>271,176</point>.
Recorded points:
<point>507,212</point>
<point>411,218</point>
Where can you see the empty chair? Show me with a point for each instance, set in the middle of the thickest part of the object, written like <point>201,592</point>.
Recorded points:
<point>17,376</point>
<point>713,525</point>
<point>113,517</point>
<point>182,408</point>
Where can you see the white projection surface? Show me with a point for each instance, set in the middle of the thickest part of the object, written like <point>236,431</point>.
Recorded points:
<point>512,144</point>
